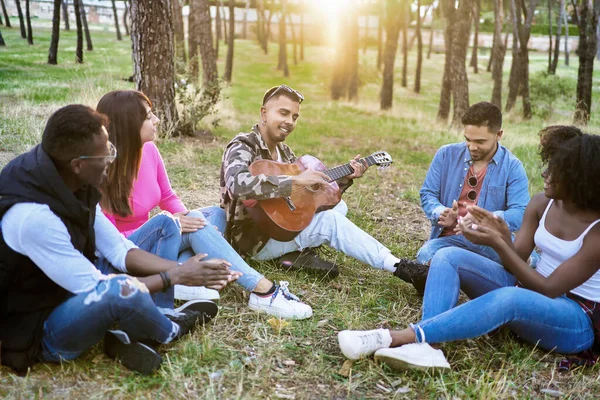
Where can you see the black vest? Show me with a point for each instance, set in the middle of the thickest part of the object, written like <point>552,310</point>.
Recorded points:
<point>27,295</point>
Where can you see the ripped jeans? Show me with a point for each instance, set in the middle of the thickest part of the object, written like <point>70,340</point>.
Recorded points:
<point>82,320</point>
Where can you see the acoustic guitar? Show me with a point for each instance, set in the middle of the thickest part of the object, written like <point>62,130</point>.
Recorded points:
<point>283,218</point>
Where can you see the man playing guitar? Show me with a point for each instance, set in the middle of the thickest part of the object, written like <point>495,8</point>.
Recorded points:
<point>278,117</point>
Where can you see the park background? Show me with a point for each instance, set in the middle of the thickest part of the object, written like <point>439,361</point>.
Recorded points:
<point>245,355</point>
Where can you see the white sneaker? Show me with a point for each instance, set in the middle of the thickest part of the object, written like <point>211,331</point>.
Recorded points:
<point>183,292</point>
<point>358,344</point>
<point>413,355</point>
<point>281,304</point>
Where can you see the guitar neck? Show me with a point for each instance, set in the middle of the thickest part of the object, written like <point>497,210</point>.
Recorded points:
<point>342,171</point>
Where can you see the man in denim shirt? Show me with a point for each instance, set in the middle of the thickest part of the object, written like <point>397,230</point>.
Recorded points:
<point>479,171</point>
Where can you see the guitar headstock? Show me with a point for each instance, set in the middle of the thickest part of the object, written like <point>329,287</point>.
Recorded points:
<point>382,159</point>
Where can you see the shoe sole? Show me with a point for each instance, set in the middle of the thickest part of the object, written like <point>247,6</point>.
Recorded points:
<point>279,314</point>
<point>207,308</point>
<point>399,364</point>
<point>135,356</point>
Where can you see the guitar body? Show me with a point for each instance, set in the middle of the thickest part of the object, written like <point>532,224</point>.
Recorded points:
<point>284,218</point>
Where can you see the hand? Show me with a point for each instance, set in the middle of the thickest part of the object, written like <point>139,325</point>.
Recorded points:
<point>309,178</point>
<point>479,234</point>
<point>467,220</point>
<point>358,167</point>
<point>189,224</point>
<point>490,220</point>
<point>449,216</point>
<point>235,275</point>
<point>213,273</point>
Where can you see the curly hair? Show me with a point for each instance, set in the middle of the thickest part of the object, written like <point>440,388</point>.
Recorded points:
<point>483,114</point>
<point>575,171</point>
<point>553,137</point>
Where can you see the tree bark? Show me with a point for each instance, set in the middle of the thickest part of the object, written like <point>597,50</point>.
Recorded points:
<point>446,92</point>
<point>178,30</point>
<point>587,21</point>
<point>86,29</point>
<point>260,25</point>
<point>153,57</point>
<point>429,47</point>
<point>550,2</point>
<point>380,23</point>
<point>458,71</point>
<point>65,13</point>
<point>114,7</point>
<point>196,7</point>
<point>419,49</point>
<point>476,14</point>
<point>2,43</point>
<point>79,48</point>
<point>53,51</point>
<point>406,20</point>
<point>218,31</point>
<point>21,19</point>
<point>5,12</point>
<point>513,80</point>
<point>498,53</point>
<point>210,79</point>
<point>28,19</point>
<point>294,42</point>
<point>229,60</point>
<point>554,64</point>
<point>566,22</point>
<point>283,65</point>
<point>224,21</point>
<point>125,13</point>
<point>394,11</point>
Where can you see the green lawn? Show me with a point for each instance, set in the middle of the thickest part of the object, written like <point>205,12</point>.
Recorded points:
<point>242,354</point>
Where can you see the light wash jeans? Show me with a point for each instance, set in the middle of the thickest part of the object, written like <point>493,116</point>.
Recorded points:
<point>331,227</point>
<point>160,236</point>
<point>210,241</point>
<point>82,320</point>
<point>557,324</point>
<point>432,246</point>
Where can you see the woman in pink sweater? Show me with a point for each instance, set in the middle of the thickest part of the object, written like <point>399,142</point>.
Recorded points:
<point>138,182</point>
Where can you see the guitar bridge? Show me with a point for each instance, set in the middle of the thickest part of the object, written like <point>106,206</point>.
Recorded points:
<point>290,203</point>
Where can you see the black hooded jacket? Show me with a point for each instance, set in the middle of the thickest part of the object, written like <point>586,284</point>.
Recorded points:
<point>27,295</point>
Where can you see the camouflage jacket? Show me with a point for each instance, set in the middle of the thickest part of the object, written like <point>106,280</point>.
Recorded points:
<point>237,185</point>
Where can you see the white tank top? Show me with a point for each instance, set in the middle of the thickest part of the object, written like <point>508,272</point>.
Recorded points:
<point>555,251</point>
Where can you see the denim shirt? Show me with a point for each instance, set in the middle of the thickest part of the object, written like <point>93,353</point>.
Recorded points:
<point>504,190</point>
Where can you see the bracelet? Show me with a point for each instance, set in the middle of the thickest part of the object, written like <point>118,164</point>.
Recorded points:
<point>166,279</point>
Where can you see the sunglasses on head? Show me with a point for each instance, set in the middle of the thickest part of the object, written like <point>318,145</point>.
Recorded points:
<point>287,89</point>
<point>472,181</point>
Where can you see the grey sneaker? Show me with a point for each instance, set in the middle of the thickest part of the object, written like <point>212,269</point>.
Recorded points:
<point>135,356</point>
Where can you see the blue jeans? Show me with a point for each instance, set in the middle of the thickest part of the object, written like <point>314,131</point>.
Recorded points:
<point>557,324</point>
<point>432,246</point>
<point>210,241</point>
<point>82,320</point>
<point>160,236</point>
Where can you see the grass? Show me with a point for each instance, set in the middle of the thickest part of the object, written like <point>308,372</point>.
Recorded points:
<point>245,355</point>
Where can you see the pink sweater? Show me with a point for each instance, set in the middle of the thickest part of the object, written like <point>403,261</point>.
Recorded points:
<point>150,189</point>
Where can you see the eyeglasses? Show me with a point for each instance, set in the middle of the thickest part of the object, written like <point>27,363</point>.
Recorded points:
<point>112,154</point>
<point>287,89</point>
<point>472,181</point>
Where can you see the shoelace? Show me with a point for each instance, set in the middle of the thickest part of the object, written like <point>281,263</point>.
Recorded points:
<point>371,340</point>
<point>283,289</point>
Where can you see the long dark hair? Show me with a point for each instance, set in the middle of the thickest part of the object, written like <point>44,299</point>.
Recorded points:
<point>126,112</point>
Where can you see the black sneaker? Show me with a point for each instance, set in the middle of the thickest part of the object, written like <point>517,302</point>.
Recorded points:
<point>309,261</point>
<point>207,309</point>
<point>187,321</point>
<point>135,356</point>
<point>414,273</point>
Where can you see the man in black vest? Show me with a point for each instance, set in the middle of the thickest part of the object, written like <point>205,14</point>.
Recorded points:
<point>54,302</point>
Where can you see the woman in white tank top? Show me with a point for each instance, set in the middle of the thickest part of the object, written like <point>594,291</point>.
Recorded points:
<point>556,306</point>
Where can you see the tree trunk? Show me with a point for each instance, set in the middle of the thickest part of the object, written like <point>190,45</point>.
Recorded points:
<point>302,30</point>
<point>524,34</point>
<point>476,13</point>
<point>114,7</point>
<point>224,20</point>
<point>498,53</point>
<point>28,19</point>
<point>554,64</point>
<point>429,47</point>
<point>268,28</point>
<point>550,3</point>
<point>513,80</point>
<point>283,65</point>
<point>406,20</point>
<point>353,45</point>
<point>154,55</point>
<point>245,26</point>
<point>178,30</point>
<point>79,48</point>
<point>446,92</point>
<point>339,78</point>
<point>458,71</point>
<point>65,13</point>
<point>2,43</point>
<point>380,23</point>
<point>231,39</point>
<point>419,49</point>
<point>260,25</point>
<point>125,13</point>
<point>366,37</point>
<point>566,38</point>
<point>8,25</point>
<point>53,51</point>
<point>21,19</point>
<point>294,42</point>
<point>393,19</point>
<point>210,79</point>
<point>218,31</point>
<point>587,21</point>
<point>86,29</point>
<point>194,18</point>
